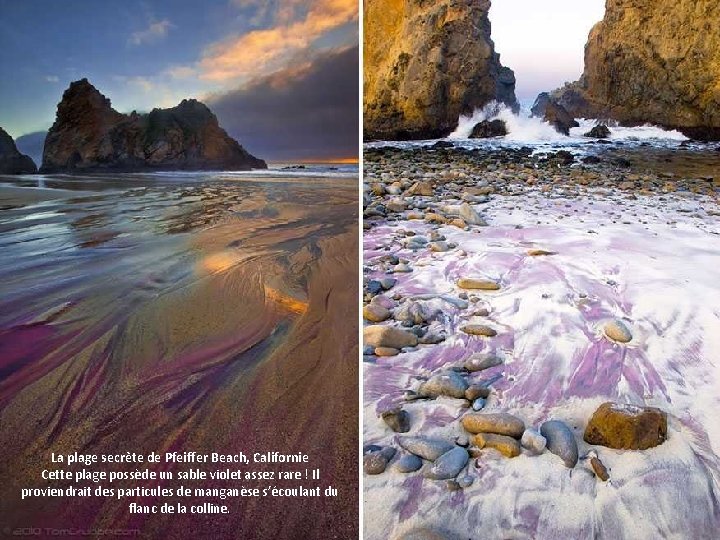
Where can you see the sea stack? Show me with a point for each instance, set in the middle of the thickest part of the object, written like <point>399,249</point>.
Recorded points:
<point>654,61</point>
<point>11,160</point>
<point>90,136</point>
<point>426,63</point>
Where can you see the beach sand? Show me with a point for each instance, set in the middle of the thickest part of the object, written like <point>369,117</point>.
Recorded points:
<point>212,317</point>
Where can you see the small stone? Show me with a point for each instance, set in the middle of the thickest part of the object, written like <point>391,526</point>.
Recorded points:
<point>532,440</point>
<point>402,268</point>
<point>426,448</point>
<point>618,331</point>
<point>445,384</point>
<point>561,441</point>
<point>478,284</point>
<point>452,485</point>
<point>386,351</point>
<point>375,313</point>
<point>480,362</point>
<point>370,448</point>
<point>498,423</point>
<point>476,391</point>
<point>397,419</point>
<point>478,404</point>
<point>599,469</point>
<point>423,189</point>
<point>507,446</point>
<point>465,481</point>
<point>388,336</point>
<point>408,463</point>
<point>626,427</point>
<point>479,330</point>
<point>540,253</point>
<point>439,247</point>
<point>468,214</point>
<point>388,283</point>
<point>449,464</point>
<point>375,463</point>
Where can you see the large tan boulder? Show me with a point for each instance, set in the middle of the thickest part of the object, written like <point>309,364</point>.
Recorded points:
<point>626,427</point>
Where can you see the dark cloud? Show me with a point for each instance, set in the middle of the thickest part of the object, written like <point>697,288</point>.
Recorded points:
<point>305,111</point>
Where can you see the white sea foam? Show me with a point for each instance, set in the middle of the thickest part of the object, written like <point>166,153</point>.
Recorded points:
<point>523,128</point>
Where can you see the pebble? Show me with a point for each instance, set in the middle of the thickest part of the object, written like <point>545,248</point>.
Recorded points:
<point>478,404</point>
<point>507,446</point>
<point>375,313</point>
<point>402,268</point>
<point>388,336</point>
<point>561,441</point>
<point>532,440</point>
<point>397,419</point>
<point>468,214</point>
<point>599,469</point>
<point>449,464</point>
<point>476,391</point>
<point>408,463</point>
<point>478,284</point>
<point>450,384</point>
<point>479,362</point>
<point>618,331</point>
<point>479,330</point>
<point>465,481</point>
<point>498,423</point>
<point>376,462</point>
<point>426,448</point>
<point>386,351</point>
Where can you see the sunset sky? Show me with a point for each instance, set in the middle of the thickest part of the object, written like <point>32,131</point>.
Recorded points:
<point>281,75</point>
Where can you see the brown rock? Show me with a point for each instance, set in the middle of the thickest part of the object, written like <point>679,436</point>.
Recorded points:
<point>498,423</point>
<point>425,64</point>
<point>626,427</point>
<point>386,351</point>
<point>479,330</point>
<point>375,313</point>
<point>507,446</point>
<point>420,188</point>
<point>478,284</point>
<point>388,336</point>
<point>644,76</point>
<point>599,469</point>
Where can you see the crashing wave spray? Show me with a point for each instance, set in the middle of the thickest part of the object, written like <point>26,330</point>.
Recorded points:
<point>523,128</point>
<point>520,128</point>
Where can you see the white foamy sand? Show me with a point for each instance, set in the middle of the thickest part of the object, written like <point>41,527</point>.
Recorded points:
<point>652,262</point>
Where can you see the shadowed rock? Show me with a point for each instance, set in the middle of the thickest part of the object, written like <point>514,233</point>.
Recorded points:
<point>11,160</point>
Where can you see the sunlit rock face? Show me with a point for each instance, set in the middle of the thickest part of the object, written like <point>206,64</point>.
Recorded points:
<point>427,62</point>
<point>653,61</point>
<point>89,135</point>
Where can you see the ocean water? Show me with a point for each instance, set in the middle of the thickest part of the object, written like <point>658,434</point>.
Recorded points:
<point>524,130</point>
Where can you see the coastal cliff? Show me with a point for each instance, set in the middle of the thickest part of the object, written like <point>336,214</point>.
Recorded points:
<point>89,135</point>
<point>654,61</point>
<point>11,160</point>
<point>426,63</point>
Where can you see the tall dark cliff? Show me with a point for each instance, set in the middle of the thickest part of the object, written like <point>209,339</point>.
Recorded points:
<point>426,62</point>
<point>11,160</point>
<point>89,135</point>
<point>652,61</point>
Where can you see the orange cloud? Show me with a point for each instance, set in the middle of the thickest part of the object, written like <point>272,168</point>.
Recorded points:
<point>298,25</point>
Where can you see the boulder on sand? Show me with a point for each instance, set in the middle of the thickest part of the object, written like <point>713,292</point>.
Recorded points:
<point>626,427</point>
<point>388,336</point>
<point>499,423</point>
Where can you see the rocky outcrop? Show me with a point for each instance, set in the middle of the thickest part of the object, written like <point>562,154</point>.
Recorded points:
<point>652,61</point>
<point>553,113</point>
<point>426,63</point>
<point>489,128</point>
<point>89,135</point>
<point>11,160</point>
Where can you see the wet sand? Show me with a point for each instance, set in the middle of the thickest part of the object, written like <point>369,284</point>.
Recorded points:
<point>213,315</point>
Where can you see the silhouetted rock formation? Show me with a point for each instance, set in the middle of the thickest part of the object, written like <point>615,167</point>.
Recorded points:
<point>11,160</point>
<point>553,113</point>
<point>89,135</point>
<point>426,63</point>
